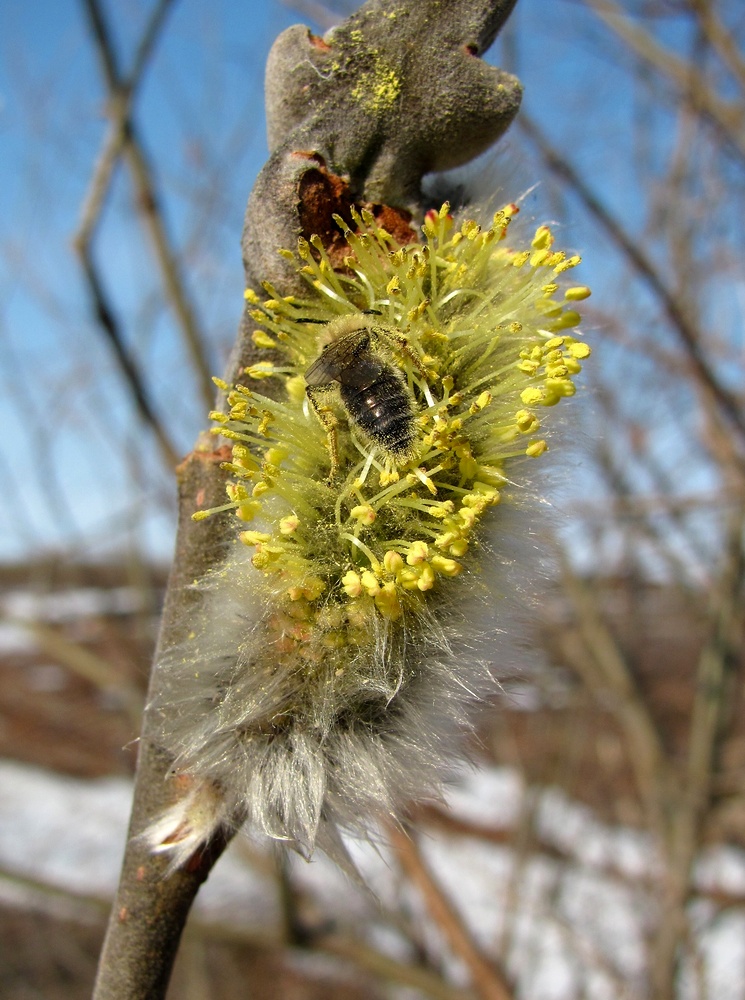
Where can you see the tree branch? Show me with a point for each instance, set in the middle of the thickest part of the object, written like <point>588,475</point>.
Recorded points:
<point>487,978</point>
<point>150,910</point>
<point>361,114</point>
<point>124,138</point>
<point>727,117</point>
<point>121,97</point>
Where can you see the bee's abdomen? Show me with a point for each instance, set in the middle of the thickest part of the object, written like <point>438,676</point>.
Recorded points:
<point>382,408</point>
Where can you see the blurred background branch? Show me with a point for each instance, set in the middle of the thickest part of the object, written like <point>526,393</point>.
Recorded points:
<point>125,140</point>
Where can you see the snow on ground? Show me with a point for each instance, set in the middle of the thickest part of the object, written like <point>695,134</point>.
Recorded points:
<point>573,926</point>
<point>69,605</point>
<point>16,639</point>
<point>70,833</point>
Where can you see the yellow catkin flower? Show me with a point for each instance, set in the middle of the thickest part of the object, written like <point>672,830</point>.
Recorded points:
<point>370,583</point>
<point>363,513</point>
<point>527,422</point>
<point>254,537</point>
<point>372,512</point>
<point>448,567</point>
<point>393,562</point>
<point>387,601</point>
<point>418,552</point>
<point>263,369</point>
<point>396,524</point>
<point>352,584</point>
<point>262,339</point>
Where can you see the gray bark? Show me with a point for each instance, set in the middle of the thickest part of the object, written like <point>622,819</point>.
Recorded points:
<point>359,116</point>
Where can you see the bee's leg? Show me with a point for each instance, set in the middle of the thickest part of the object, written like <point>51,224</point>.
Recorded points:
<point>393,337</point>
<point>329,421</point>
<point>326,416</point>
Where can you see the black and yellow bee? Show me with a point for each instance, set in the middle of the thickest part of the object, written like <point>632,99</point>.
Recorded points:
<point>372,389</point>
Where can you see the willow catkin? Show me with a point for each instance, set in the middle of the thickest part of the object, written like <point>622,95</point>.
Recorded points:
<point>328,669</point>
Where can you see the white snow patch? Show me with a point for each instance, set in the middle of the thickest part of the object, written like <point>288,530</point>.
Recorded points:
<point>16,639</point>
<point>571,926</point>
<point>70,605</point>
<point>490,797</point>
<point>70,833</point>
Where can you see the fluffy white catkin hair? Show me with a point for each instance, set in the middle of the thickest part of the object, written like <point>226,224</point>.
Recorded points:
<point>327,671</point>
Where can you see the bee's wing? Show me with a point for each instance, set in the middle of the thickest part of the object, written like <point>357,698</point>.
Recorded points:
<point>322,371</point>
<point>336,356</point>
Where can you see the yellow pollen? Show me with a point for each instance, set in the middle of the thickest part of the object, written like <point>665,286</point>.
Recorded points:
<point>364,514</point>
<point>254,537</point>
<point>448,567</point>
<point>418,552</point>
<point>262,339</point>
<point>536,448</point>
<point>393,561</point>
<point>370,583</point>
<point>531,396</point>
<point>543,238</point>
<point>352,584</point>
<point>263,369</point>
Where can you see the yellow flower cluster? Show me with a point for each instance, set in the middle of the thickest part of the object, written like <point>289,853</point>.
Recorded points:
<point>477,332</point>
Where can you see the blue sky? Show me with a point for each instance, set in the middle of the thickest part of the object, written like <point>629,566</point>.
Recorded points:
<point>80,473</point>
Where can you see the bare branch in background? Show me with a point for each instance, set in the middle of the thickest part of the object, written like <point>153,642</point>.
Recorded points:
<point>124,138</point>
<point>593,652</point>
<point>691,339</point>
<point>714,688</point>
<point>726,116</point>
<point>131,373</point>
<point>720,39</point>
<point>489,981</point>
<point>321,13</point>
<point>123,97</point>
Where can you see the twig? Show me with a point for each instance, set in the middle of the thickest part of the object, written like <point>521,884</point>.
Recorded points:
<point>122,95</point>
<point>489,981</point>
<point>110,326</point>
<point>674,507</point>
<point>112,145</point>
<point>85,664</point>
<point>712,700</point>
<point>728,118</point>
<point>149,204</point>
<point>523,852</point>
<point>591,650</point>
<point>619,475</point>
<point>688,335</point>
<point>323,15</point>
<point>720,39</point>
<point>389,969</point>
<point>382,154</point>
<point>150,910</point>
<point>124,137</point>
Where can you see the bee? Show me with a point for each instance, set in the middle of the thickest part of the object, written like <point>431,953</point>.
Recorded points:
<point>373,390</point>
